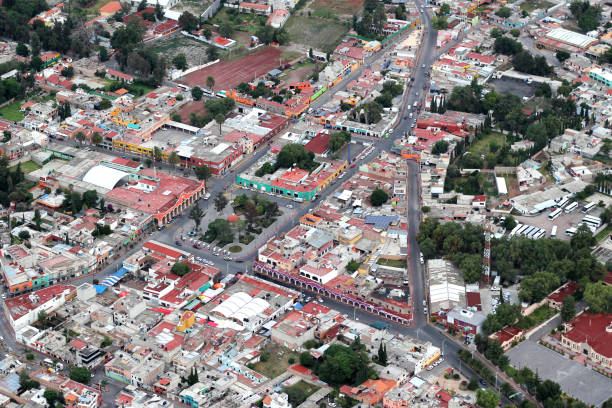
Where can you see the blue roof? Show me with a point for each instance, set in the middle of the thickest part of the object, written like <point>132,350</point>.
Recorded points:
<point>381,221</point>
<point>298,306</point>
<point>99,289</point>
<point>113,278</point>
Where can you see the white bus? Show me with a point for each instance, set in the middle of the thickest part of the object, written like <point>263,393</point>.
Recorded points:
<point>563,202</point>
<point>533,233</point>
<point>553,232</point>
<point>591,227</point>
<point>588,207</point>
<point>570,231</point>
<point>522,229</point>
<point>555,213</point>
<point>590,220</point>
<point>571,207</point>
<point>540,234</point>
<point>527,230</point>
<point>515,229</point>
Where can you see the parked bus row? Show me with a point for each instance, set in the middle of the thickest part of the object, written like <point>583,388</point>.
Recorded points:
<point>528,231</point>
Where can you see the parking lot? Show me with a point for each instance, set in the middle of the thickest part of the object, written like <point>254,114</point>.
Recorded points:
<point>575,379</point>
<point>563,222</point>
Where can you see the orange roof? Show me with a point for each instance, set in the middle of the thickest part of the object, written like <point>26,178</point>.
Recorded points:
<point>267,400</point>
<point>121,91</point>
<point>110,8</point>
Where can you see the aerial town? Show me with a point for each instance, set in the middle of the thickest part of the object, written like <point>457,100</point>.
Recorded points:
<point>311,203</point>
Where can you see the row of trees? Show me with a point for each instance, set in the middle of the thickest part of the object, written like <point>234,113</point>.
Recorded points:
<point>372,21</point>
<point>586,15</point>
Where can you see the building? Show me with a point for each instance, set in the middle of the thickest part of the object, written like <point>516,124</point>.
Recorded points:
<point>23,310</point>
<point>601,75</point>
<point>278,18</point>
<point>110,8</point>
<point>590,335</point>
<point>555,299</point>
<point>446,285</point>
<point>465,321</point>
<point>508,336</point>
<point>571,38</point>
<point>371,392</point>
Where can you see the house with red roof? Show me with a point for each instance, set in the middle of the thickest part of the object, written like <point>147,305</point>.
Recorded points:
<point>371,392</point>
<point>555,299</point>
<point>507,336</point>
<point>246,7</point>
<point>590,335</point>
<point>119,76</point>
<point>278,18</point>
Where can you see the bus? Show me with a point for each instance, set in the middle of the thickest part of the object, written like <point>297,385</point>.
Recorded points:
<point>533,233</point>
<point>540,234</point>
<point>555,213</point>
<point>588,207</point>
<point>563,202</point>
<point>526,231</point>
<point>570,231</point>
<point>515,229</point>
<point>522,229</point>
<point>571,207</point>
<point>590,220</point>
<point>553,232</point>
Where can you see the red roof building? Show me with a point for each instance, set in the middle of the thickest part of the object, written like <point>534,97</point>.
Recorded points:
<point>555,299</point>
<point>319,144</point>
<point>507,336</point>
<point>590,334</point>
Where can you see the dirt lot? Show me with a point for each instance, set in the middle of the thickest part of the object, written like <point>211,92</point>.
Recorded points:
<point>319,33</point>
<point>229,74</point>
<point>176,43</point>
<point>195,106</point>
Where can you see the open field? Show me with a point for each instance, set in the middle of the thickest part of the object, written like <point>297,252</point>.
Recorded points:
<point>176,43</point>
<point>245,22</point>
<point>195,107</point>
<point>318,33</point>
<point>28,167</point>
<point>12,112</point>
<point>229,74</point>
<point>531,5</point>
<point>277,361</point>
<point>482,146</point>
<point>337,7</point>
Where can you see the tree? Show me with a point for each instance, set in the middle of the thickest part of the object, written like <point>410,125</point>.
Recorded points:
<point>207,33</point>
<point>444,9</point>
<point>515,32</point>
<point>295,154</point>
<point>226,29</point>
<point>568,308</point>
<point>250,211</point>
<point>599,297</point>
<point>382,354</point>
<point>173,159</point>
<point>439,23</point>
<point>220,119</point>
<point>196,93</point>
<point>487,398</point>
<point>562,55</point>
<point>24,235</point>
<point>80,137</point>
<point>202,172</point>
<point>25,383</point>
<point>196,215</point>
<point>159,11</point>
<point>212,53</point>
<point>509,223</point>
<point>35,44</point>
<point>105,104</point>
<point>106,342</point>
<point>378,197</point>
<point>22,50</point>
<point>337,140</point>
<point>68,72</point>
<point>142,5</point>
<point>220,202</point>
<point>90,197</point>
<point>473,384</point>
<point>103,54</point>
<point>96,138</point>
<point>210,82</point>
<point>440,147</point>
<point>80,374</point>
<point>503,12</point>
<point>180,61</point>
<point>296,394</point>
<point>180,269</point>
<point>188,21</point>
<point>157,153</point>
<point>37,219</point>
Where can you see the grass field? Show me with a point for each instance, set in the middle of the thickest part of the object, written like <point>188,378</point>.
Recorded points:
<point>531,5</point>
<point>482,146</point>
<point>277,361</point>
<point>28,167</point>
<point>307,390</point>
<point>337,7</point>
<point>397,263</point>
<point>11,111</point>
<point>318,33</point>
<point>603,233</point>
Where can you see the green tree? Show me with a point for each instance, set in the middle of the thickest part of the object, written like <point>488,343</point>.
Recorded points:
<point>180,269</point>
<point>106,342</point>
<point>568,308</point>
<point>80,137</point>
<point>509,223</point>
<point>503,12</point>
<point>212,53</point>
<point>295,154</point>
<point>352,266</point>
<point>599,297</point>
<point>173,159</point>
<point>207,33</point>
<point>188,21</point>
<point>24,235</point>
<point>103,54</point>
<point>337,140</point>
<point>104,104</point>
<point>562,55</point>
<point>180,61</point>
<point>382,354</point>
<point>440,147</point>
<point>37,219</point>
<point>473,384</point>
<point>444,9</point>
<point>296,394</point>
<point>90,197</point>
<point>157,153</point>
<point>202,172</point>
<point>159,11</point>
<point>515,32</point>
<point>378,197</point>
<point>439,23</point>
<point>487,398</point>
<point>80,374</point>
<point>22,50</point>
<point>25,383</point>
<point>210,83</point>
<point>96,138</point>
<point>220,119</point>
<point>196,93</point>
<point>226,29</point>
<point>196,215</point>
<point>220,202</point>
